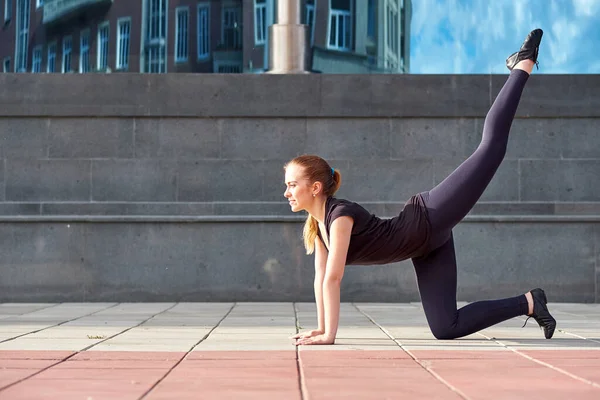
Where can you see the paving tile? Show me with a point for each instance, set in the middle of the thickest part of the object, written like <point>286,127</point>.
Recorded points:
<point>381,382</point>
<point>241,378</point>
<point>466,354</point>
<point>22,354</point>
<point>25,364</point>
<point>238,388</point>
<point>584,364</point>
<point>131,355</point>
<point>175,346</point>
<point>242,355</point>
<point>507,378</point>
<point>10,376</point>
<point>114,364</point>
<point>47,344</point>
<point>100,374</point>
<point>121,389</point>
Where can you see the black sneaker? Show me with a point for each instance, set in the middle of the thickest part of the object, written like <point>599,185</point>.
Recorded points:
<point>529,50</point>
<point>541,313</point>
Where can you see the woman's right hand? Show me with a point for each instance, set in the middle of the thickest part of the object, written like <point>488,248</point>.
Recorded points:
<point>307,334</point>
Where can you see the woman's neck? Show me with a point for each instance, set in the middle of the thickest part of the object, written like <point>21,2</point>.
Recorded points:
<point>317,209</point>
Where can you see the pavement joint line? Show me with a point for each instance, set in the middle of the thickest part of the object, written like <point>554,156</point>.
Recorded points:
<point>39,309</point>
<point>578,336</point>
<point>304,394</point>
<point>29,312</point>
<point>187,353</point>
<point>55,325</point>
<point>85,348</point>
<point>594,384</point>
<point>415,359</point>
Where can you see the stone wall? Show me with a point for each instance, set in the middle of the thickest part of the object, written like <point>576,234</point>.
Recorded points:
<point>169,187</point>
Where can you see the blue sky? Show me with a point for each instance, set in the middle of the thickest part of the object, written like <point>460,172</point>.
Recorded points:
<point>476,36</point>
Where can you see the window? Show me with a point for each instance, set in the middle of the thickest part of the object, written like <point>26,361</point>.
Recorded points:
<point>203,31</point>
<point>7,11</point>
<point>103,35</point>
<point>36,65</point>
<point>22,39</point>
<point>6,65</point>
<point>66,58</point>
<point>340,25</point>
<point>402,38</point>
<point>310,19</point>
<point>232,30</point>
<point>155,37</point>
<point>226,68</point>
<point>260,21</point>
<point>123,40</point>
<point>181,34</point>
<point>392,27</point>
<point>39,3</point>
<point>51,67</point>
<point>84,51</point>
<point>371,20</point>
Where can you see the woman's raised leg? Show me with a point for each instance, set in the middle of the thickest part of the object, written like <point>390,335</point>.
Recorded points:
<point>455,196</point>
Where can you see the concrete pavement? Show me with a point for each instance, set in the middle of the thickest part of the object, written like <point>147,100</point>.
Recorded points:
<point>94,351</point>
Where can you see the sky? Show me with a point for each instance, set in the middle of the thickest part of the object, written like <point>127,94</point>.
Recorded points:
<point>476,36</point>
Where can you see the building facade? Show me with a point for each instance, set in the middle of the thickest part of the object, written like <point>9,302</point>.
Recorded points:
<point>205,36</point>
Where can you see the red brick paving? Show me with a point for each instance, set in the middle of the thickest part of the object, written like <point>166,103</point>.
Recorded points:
<point>326,374</point>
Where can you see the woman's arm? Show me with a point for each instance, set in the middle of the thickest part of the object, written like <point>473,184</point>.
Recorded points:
<point>320,267</point>
<point>320,263</point>
<point>339,240</point>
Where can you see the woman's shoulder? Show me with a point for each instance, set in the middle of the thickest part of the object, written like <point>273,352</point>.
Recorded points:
<point>341,205</point>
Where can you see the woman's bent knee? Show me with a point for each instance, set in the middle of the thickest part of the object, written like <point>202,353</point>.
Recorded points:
<point>444,332</point>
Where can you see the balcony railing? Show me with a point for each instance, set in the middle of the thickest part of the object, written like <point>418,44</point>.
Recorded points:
<point>54,10</point>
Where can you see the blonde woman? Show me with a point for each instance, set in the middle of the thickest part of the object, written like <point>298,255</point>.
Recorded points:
<point>341,232</point>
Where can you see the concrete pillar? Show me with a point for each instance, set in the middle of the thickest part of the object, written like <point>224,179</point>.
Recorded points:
<point>288,40</point>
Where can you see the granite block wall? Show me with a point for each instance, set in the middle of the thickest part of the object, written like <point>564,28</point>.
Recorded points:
<point>159,188</point>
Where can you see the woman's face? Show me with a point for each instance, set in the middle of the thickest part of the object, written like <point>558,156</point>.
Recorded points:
<point>298,189</point>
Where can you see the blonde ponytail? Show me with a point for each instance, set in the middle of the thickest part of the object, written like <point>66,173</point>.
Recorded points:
<point>311,227</point>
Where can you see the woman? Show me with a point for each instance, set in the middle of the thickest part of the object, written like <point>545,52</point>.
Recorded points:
<point>340,232</point>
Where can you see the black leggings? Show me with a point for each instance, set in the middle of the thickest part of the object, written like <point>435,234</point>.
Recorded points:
<point>447,204</point>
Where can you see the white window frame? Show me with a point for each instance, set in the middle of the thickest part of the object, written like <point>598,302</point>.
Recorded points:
<point>101,27</point>
<point>260,27</point>
<point>37,59</point>
<point>238,38</point>
<point>22,36</point>
<point>179,35</point>
<point>8,7</point>
<point>340,14</point>
<point>159,44</point>
<point>4,62</point>
<point>203,47</point>
<point>39,3</point>
<point>51,56</point>
<point>120,63</point>
<point>67,51</point>
<point>311,9</point>
<point>84,49</point>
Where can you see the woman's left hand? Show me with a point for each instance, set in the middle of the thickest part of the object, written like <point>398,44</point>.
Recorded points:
<point>319,339</point>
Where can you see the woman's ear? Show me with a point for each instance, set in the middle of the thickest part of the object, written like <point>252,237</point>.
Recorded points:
<point>317,188</point>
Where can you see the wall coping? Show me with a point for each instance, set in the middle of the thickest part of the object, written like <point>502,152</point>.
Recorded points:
<point>184,95</point>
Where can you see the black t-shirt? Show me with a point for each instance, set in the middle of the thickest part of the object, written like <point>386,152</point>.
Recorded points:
<point>382,241</point>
